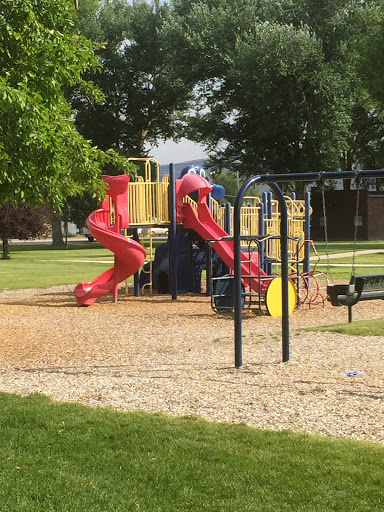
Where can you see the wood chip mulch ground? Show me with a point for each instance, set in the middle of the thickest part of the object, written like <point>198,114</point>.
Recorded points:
<point>155,354</point>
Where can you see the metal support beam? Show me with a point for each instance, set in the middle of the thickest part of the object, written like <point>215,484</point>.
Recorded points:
<point>172,233</point>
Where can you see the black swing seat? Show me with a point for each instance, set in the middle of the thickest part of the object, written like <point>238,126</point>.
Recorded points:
<point>346,294</point>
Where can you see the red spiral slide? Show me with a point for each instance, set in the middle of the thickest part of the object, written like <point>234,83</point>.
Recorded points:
<point>129,254</point>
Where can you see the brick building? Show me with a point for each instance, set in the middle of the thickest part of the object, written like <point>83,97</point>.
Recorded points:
<point>341,215</point>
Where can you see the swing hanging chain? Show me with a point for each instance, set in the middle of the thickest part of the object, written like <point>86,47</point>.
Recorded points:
<point>358,184</point>
<point>328,271</point>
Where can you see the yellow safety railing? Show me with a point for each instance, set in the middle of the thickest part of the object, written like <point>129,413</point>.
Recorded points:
<point>148,202</point>
<point>151,169</point>
<point>296,219</point>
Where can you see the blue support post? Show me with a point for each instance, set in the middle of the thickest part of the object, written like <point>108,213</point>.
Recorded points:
<point>269,211</point>
<point>228,229</point>
<point>136,277</point>
<point>269,205</point>
<point>284,270</point>
<point>228,219</point>
<point>261,233</point>
<point>208,259</point>
<point>172,233</point>
<point>307,231</point>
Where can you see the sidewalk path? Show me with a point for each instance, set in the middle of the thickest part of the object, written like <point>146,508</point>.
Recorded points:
<point>347,254</point>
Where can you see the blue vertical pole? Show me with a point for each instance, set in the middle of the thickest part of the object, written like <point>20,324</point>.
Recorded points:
<point>227,219</point>
<point>136,284</point>
<point>208,259</point>
<point>284,269</point>
<point>269,205</point>
<point>261,233</point>
<point>172,233</point>
<point>228,229</point>
<point>307,230</point>
<point>264,198</point>
<point>237,288</point>
<point>269,216</point>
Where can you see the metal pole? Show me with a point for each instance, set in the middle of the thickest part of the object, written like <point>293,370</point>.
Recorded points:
<point>307,230</point>
<point>269,211</point>
<point>228,229</point>
<point>172,233</point>
<point>136,277</point>
<point>208,265</point>
<point>284,270</point>
<point>261,233</point>
<point>227,219</point>
<point>237,271</point>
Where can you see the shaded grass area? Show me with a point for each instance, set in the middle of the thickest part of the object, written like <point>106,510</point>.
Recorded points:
<point>360,328</point>
<point>68,457</point>
<point>41,266</point>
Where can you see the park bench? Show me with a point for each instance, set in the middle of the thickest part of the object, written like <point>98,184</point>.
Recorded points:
<point>361,287</point>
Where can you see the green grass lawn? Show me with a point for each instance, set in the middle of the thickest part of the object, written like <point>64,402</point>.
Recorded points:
<point>359,328</point>
<point>347,246</point>
<point>41,266</point>
<point>67,457</point>
<point>365,263</point>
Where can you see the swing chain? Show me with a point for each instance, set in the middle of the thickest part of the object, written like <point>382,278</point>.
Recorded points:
<point>328,271</point>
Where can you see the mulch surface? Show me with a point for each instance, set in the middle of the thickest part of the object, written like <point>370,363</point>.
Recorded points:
<point>155,354</point>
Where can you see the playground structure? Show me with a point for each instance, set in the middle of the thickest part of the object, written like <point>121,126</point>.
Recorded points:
<point>148,202</point>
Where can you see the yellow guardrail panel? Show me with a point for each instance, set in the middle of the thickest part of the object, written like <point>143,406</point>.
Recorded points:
<point>148,202</point>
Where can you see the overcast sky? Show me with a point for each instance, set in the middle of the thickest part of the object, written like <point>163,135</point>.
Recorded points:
<point>183,151</point>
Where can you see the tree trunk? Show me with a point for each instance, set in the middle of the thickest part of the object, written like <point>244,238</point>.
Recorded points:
<point>5,255</point>
<point>57,235</point>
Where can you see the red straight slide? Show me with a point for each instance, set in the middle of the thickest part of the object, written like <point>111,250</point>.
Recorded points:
<point>129,254</point>
<point>205,225</point>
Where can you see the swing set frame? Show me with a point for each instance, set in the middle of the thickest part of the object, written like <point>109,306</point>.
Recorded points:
<point>272,180</point>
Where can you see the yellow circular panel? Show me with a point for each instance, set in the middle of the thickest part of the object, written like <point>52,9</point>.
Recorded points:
<point>274,297</point>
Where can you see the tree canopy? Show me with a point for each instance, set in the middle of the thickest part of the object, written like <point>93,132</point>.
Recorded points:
<point>141,94</point>
<point>43,158</point>
<point>275,84</point>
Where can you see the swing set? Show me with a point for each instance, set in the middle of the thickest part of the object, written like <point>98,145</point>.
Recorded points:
<point>339,295</point>
<point>346,294</point>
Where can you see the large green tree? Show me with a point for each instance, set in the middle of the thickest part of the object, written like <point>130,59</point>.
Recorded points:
<point>43,158</point>
<point>141,97</point>
<point>370,62</point>
<point>274,83</point>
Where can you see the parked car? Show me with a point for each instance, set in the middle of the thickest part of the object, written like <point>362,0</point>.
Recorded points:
<point>156,231</point>
<point>85,232</point>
